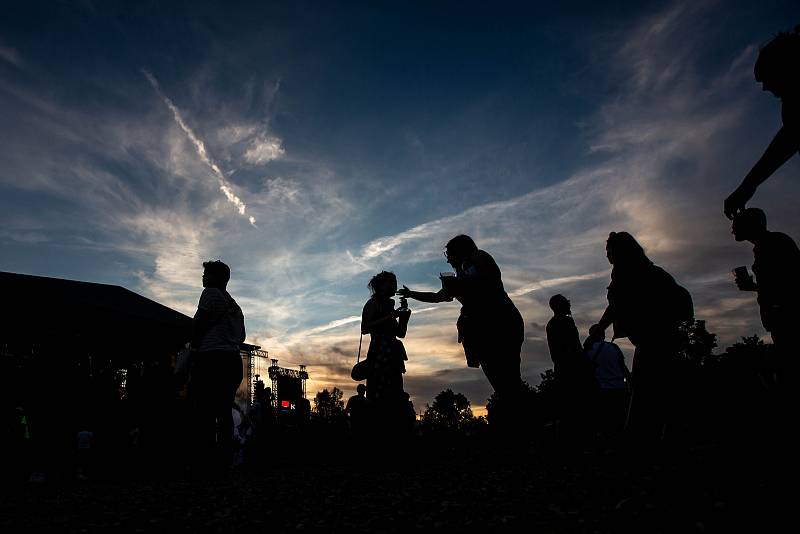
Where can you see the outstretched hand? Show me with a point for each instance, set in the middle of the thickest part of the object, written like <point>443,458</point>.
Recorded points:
<point>404,292</point>
<point>735,203</point>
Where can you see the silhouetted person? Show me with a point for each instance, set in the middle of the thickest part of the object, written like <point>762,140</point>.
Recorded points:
<point>84,441</point>
<point>574,381</point>
<point>490,327</point>
<point>19,457</point>
<point>777,269</point>
<point>613,382</point>
<point>777,70</point>
<point>647,306</point>
<point>386,353</point>
<point>357,409</point>
<point>217,331</point>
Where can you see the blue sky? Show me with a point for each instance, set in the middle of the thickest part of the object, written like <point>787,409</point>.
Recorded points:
<point>312,144</point>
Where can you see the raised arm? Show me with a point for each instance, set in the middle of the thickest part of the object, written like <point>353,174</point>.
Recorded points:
<point>783,146</point>
<point>424,296</point>
<point>605,321</point>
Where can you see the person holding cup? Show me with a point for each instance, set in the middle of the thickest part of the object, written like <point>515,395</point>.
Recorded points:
<point>386,354</point>
<point>490,328</point>
<point>776,267</point>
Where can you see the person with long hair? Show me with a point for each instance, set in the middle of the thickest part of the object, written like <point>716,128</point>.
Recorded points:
<point>386,353</point>
<point>490,327</point>
<point>778,70</point>
<point>646,305</point>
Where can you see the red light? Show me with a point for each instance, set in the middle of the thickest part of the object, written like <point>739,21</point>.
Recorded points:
<point>284,404</point>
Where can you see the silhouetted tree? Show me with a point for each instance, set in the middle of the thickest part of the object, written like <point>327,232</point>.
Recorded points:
<point>697,343</point>
<point>449,411</point>
<point>548,384</point>
<point>329,405</point>
<point>749,345</point>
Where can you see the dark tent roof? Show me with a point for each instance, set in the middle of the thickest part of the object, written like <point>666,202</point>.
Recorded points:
<point>37,308</point>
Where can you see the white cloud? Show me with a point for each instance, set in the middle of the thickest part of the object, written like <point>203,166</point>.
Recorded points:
<point>264,149</point>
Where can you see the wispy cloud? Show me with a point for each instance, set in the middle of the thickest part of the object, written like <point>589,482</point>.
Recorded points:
<point>555,282</point>
<point>200,147</point>
<point>667,138</point>
<point>10,55</point>
<point>264,149</point>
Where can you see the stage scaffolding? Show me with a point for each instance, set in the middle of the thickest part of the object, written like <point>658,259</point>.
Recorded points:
<point>256,363</point>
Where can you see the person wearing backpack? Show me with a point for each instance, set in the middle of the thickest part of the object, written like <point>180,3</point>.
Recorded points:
<point>216,368</point>
<point>647,306</point>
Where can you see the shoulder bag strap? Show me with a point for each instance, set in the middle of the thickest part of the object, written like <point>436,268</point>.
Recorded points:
<point>359,348</point>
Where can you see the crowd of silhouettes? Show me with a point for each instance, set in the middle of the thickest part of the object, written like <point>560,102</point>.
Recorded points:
<point>594,393</point>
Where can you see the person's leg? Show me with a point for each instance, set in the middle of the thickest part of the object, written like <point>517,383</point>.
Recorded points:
<point>202,409</point>
<point>654,387</point>
<point>502,372</point>
<point>230,377</point>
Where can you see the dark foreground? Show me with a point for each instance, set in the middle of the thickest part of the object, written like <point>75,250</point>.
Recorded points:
<point>433,486</point>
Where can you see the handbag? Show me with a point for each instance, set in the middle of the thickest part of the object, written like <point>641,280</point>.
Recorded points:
<point>361,369</point>
<point>468,339</point>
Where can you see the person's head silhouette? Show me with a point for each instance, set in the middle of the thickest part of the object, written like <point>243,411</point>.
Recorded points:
<point>361,389</point>
<point>623,250</point>
<point>560,305</point>
<point>776,66</point>
<point>749,225</point>
<point>383,284</point>
<point>459,249</point>
<point>216,274</point>
<point>595,335</point>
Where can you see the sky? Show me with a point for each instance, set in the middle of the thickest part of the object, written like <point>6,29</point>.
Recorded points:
<point>310,145</point>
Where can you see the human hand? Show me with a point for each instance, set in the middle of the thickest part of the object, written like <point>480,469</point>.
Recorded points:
<point>735,203</point>
<point>404,292</point>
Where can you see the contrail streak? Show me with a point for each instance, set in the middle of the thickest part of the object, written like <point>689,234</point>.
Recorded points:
<point>200,148</point>
<point>348,320</point>
<point>544,284</point>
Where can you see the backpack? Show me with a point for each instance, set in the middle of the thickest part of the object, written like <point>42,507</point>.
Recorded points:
<point>681,306</point>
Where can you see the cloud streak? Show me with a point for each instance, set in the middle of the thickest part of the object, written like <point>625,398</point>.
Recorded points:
<point>200,148</point>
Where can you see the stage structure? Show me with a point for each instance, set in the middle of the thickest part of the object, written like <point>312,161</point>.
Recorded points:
<point>288,387</point>
<point>254,361</point>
